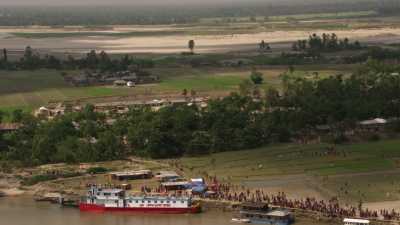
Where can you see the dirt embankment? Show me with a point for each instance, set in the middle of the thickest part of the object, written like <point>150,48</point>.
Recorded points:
<point>10,185</point>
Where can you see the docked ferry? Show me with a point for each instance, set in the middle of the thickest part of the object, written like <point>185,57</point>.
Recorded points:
<point>99,199</point>
<point>261,213</point>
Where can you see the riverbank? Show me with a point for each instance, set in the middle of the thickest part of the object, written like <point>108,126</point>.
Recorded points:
<point>39,213</point>
<point>287,168</point>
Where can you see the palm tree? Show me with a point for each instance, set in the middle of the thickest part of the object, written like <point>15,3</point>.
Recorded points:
<point>191,45</point>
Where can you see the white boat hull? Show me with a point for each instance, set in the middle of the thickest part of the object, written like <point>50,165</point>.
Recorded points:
<point>239,220</point>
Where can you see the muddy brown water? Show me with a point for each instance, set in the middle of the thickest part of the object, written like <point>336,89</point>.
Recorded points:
<point>25,211</point>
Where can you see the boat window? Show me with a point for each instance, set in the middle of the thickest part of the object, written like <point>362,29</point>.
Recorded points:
<point>155,201</point>
<point>142,201</point>
<point>162,202</point>
<point>174,202</point>
<point>182,201</point>
<point>148,201</point>
<point>168,201</point>
<point>137,201</point>
<point>116,201</point>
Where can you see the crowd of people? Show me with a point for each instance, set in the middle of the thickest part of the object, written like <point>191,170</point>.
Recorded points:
<point>235,193</point>
<point>330,208</point>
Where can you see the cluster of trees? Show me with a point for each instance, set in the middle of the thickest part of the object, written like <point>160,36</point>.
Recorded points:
<point>377,53</point>
<point>76,137</point>
<point>325,42</point>
<point>32,60</point>
<point>239,121</point>
<point>264,46</point>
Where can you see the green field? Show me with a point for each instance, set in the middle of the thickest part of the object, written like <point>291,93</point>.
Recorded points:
<point>298,159</point>
<point>339,15</point>
<point>31,89</point>
<point>28,89</point>
<point>370,170</point>
<point>228,26</point>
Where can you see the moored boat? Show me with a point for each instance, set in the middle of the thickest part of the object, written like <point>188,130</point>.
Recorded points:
<point>99,199</point>
<point>240,220</point>
<point>351,221</point>
<point>261,213</point>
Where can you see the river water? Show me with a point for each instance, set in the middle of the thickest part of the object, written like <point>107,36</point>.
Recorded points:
<point>25,211</point>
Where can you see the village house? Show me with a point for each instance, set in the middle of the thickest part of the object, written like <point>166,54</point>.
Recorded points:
<point>132,175</point>
<point>164,176</point>
<point>88,78</point>
<point>9,127</point>
<point>376,124</point>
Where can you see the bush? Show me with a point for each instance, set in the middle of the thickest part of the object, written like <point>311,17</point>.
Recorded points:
<point>374,137</point>
<point>46,177</point>
<point>340,138</point>
<point>256,77</point>
<point>37,179</point>
<point>97,170</point>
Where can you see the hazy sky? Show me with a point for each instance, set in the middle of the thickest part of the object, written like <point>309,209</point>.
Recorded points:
<point>162,2</point>
<point>113,2</point>
<point>133,2</point>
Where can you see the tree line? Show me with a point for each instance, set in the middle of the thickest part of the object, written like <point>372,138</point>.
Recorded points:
<point>325,43</point>
<point>32,60</point>
<point>170,13</point>
<point>244,120</point>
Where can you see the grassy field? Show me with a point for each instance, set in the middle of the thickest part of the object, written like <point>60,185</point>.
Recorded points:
<point>339,15</point>
<point>28,89</point>
<point>222,26</point>
<point>31,89</point>
<point>298,159</point>
<point>368,171</point>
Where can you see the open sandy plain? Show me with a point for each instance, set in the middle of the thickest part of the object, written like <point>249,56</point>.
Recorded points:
<point>167,39</point>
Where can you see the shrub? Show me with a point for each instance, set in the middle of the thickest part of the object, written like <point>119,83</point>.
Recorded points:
<point>97,170</point>
<point>374,137</point>
<point>47,177</point>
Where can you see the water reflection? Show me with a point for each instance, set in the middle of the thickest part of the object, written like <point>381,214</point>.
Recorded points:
<point>25,211</point>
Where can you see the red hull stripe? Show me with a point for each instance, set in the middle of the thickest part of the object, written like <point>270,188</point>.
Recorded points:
<point>100,208</point>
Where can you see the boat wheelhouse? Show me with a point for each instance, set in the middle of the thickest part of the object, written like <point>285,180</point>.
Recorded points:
<point>99,199</point>
<point>261,213</point>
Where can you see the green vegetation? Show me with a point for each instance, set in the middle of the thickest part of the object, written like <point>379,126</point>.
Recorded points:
<point>203,83</point>
<point>250,119</point>
<point>369,187</point>
<point>366,171</point>
<point>187,14</point>
<point>325,43</point>
<point>26,89</point>
<point>97,170</point>
<point>47,177</point>
<point>287,159</point>
<point>310,16</point>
